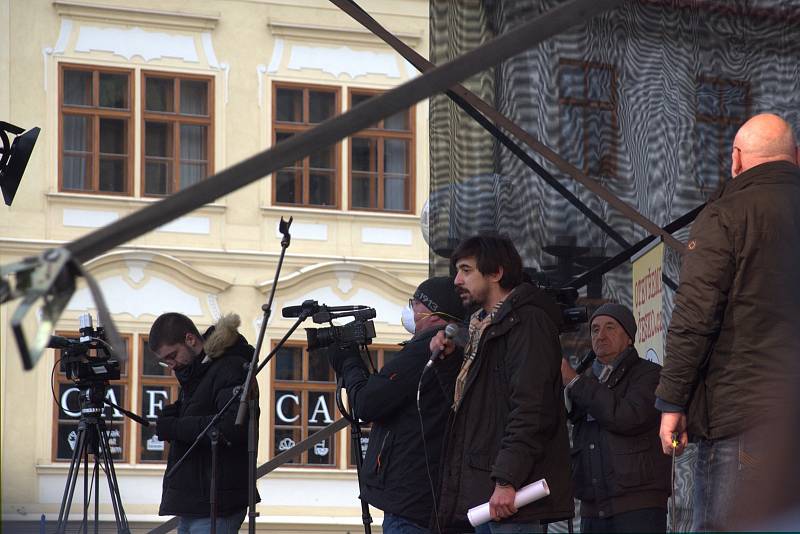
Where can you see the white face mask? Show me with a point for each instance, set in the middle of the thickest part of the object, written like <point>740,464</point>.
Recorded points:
<point>407,318</point>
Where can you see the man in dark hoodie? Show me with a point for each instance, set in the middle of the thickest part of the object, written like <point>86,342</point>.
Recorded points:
<point>208,368</point>
<point>507,427</point>
<point>401,456</point>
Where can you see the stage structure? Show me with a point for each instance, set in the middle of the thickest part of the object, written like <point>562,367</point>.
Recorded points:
<point>641,102</point>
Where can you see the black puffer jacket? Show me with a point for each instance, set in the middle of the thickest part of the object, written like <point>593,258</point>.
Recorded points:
<point>208,387</point>
<point>617,462</point>
<point>395,478</point>
<point>733,341</point>
<point>511,423</point>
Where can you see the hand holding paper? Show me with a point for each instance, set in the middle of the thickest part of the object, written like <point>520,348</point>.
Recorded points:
<point>525,495</point>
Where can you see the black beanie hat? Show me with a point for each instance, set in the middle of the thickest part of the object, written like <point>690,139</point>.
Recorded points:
<point>622,314</point>
<point>439,295</point>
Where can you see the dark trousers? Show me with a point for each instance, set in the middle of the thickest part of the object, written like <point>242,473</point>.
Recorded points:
<point>644,520</point>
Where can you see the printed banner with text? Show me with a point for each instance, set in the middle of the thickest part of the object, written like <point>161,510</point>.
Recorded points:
<point>648,302</point>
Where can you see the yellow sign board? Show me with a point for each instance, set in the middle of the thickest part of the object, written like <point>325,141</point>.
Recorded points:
<point>648,302</point>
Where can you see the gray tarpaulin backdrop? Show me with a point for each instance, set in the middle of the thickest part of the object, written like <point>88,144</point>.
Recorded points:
<point>646,99</point>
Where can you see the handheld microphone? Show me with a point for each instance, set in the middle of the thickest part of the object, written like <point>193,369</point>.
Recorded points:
<point>585,362</point>
<point>450,332</point>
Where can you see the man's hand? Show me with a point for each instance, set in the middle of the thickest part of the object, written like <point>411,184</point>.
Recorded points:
<point>171,410</point>
<point>342,358</point>
<point>440,342</point>
<point>673,423</point>
<point>501,505</point>
<point>567,372</point>
<point>165,427</point>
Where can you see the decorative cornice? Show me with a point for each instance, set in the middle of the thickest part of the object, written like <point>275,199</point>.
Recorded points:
<point>207,283</point>
<point>182,20</point>
<point>335,34</point>
<point>324,270</point>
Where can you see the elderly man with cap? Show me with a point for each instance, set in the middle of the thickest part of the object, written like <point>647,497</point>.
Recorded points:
<point>402,460</point>
<point>619,472</point>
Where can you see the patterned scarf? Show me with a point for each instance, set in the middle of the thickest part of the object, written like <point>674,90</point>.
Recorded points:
<point>477,324</point>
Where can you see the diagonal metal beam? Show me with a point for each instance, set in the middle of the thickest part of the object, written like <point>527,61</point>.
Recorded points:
<point>611,263</point>
<point>471,99</point>
<point>298,146</point>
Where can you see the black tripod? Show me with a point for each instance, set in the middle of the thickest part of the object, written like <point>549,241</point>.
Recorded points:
<point>93,439</point>
<point>358,455</point>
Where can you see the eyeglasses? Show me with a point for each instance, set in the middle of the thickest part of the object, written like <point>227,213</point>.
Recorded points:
<point>167,357</point>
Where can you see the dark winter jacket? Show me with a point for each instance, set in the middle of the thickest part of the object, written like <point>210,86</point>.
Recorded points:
<point>207,387</point>
<point>734,340</point>
<point>394,477</point>
<point>511,423</point>
<point>617,462</point>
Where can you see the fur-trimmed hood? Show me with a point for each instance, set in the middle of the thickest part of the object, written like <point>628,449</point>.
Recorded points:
<point>222,336</point>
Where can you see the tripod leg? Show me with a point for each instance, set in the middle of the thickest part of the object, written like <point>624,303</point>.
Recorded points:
<point>111,477</point>
<point>96,483</point>
<point>72,478</point>
<point>86,496</point>
<point>355,444</point>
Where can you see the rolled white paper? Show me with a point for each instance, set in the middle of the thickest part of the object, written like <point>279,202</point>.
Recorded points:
<point>525,495</point>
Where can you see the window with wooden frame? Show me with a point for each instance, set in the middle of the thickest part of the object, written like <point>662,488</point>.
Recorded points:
<point>303,389</point>
<point>380,356</point>
<point>67,411</point>
<point>313,181</point>
<point>722,106</point>
<point>382,162</point>
<point>96,125</point>
<point>588,115</point>
<point>157,388</point>
<point>178,131</point>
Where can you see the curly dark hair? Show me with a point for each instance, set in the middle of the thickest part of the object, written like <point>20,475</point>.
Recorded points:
<point>491,252</point>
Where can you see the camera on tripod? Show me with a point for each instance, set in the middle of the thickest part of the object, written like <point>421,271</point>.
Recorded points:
<point>77,360</point>
<point>359,331</point>
<point>572,315</point>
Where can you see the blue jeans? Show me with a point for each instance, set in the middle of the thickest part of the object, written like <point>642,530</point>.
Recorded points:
<point>202,525</point>
<point>394,524</point>
<point>725,468</point>
<point>493,527</point>
<point>644,520</point>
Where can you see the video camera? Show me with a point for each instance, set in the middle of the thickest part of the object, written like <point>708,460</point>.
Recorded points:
<point>359,331</point>
<point>572,316</point>
<point>77,360</point>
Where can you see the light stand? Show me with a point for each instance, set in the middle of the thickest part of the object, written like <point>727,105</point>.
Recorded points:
<point>252,430</point>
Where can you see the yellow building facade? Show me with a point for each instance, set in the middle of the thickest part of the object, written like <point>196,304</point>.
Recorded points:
<point>137,100</point>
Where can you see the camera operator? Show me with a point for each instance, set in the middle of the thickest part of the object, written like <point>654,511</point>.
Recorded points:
<point>208,368</point>
<point>395,476</point>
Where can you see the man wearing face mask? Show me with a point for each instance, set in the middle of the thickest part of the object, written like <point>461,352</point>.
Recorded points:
<point>396,472</point>
<point>208,368</point>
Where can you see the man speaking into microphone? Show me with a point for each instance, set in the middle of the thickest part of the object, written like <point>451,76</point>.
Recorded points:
<point>401,456</point>
<point>508,424</point>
